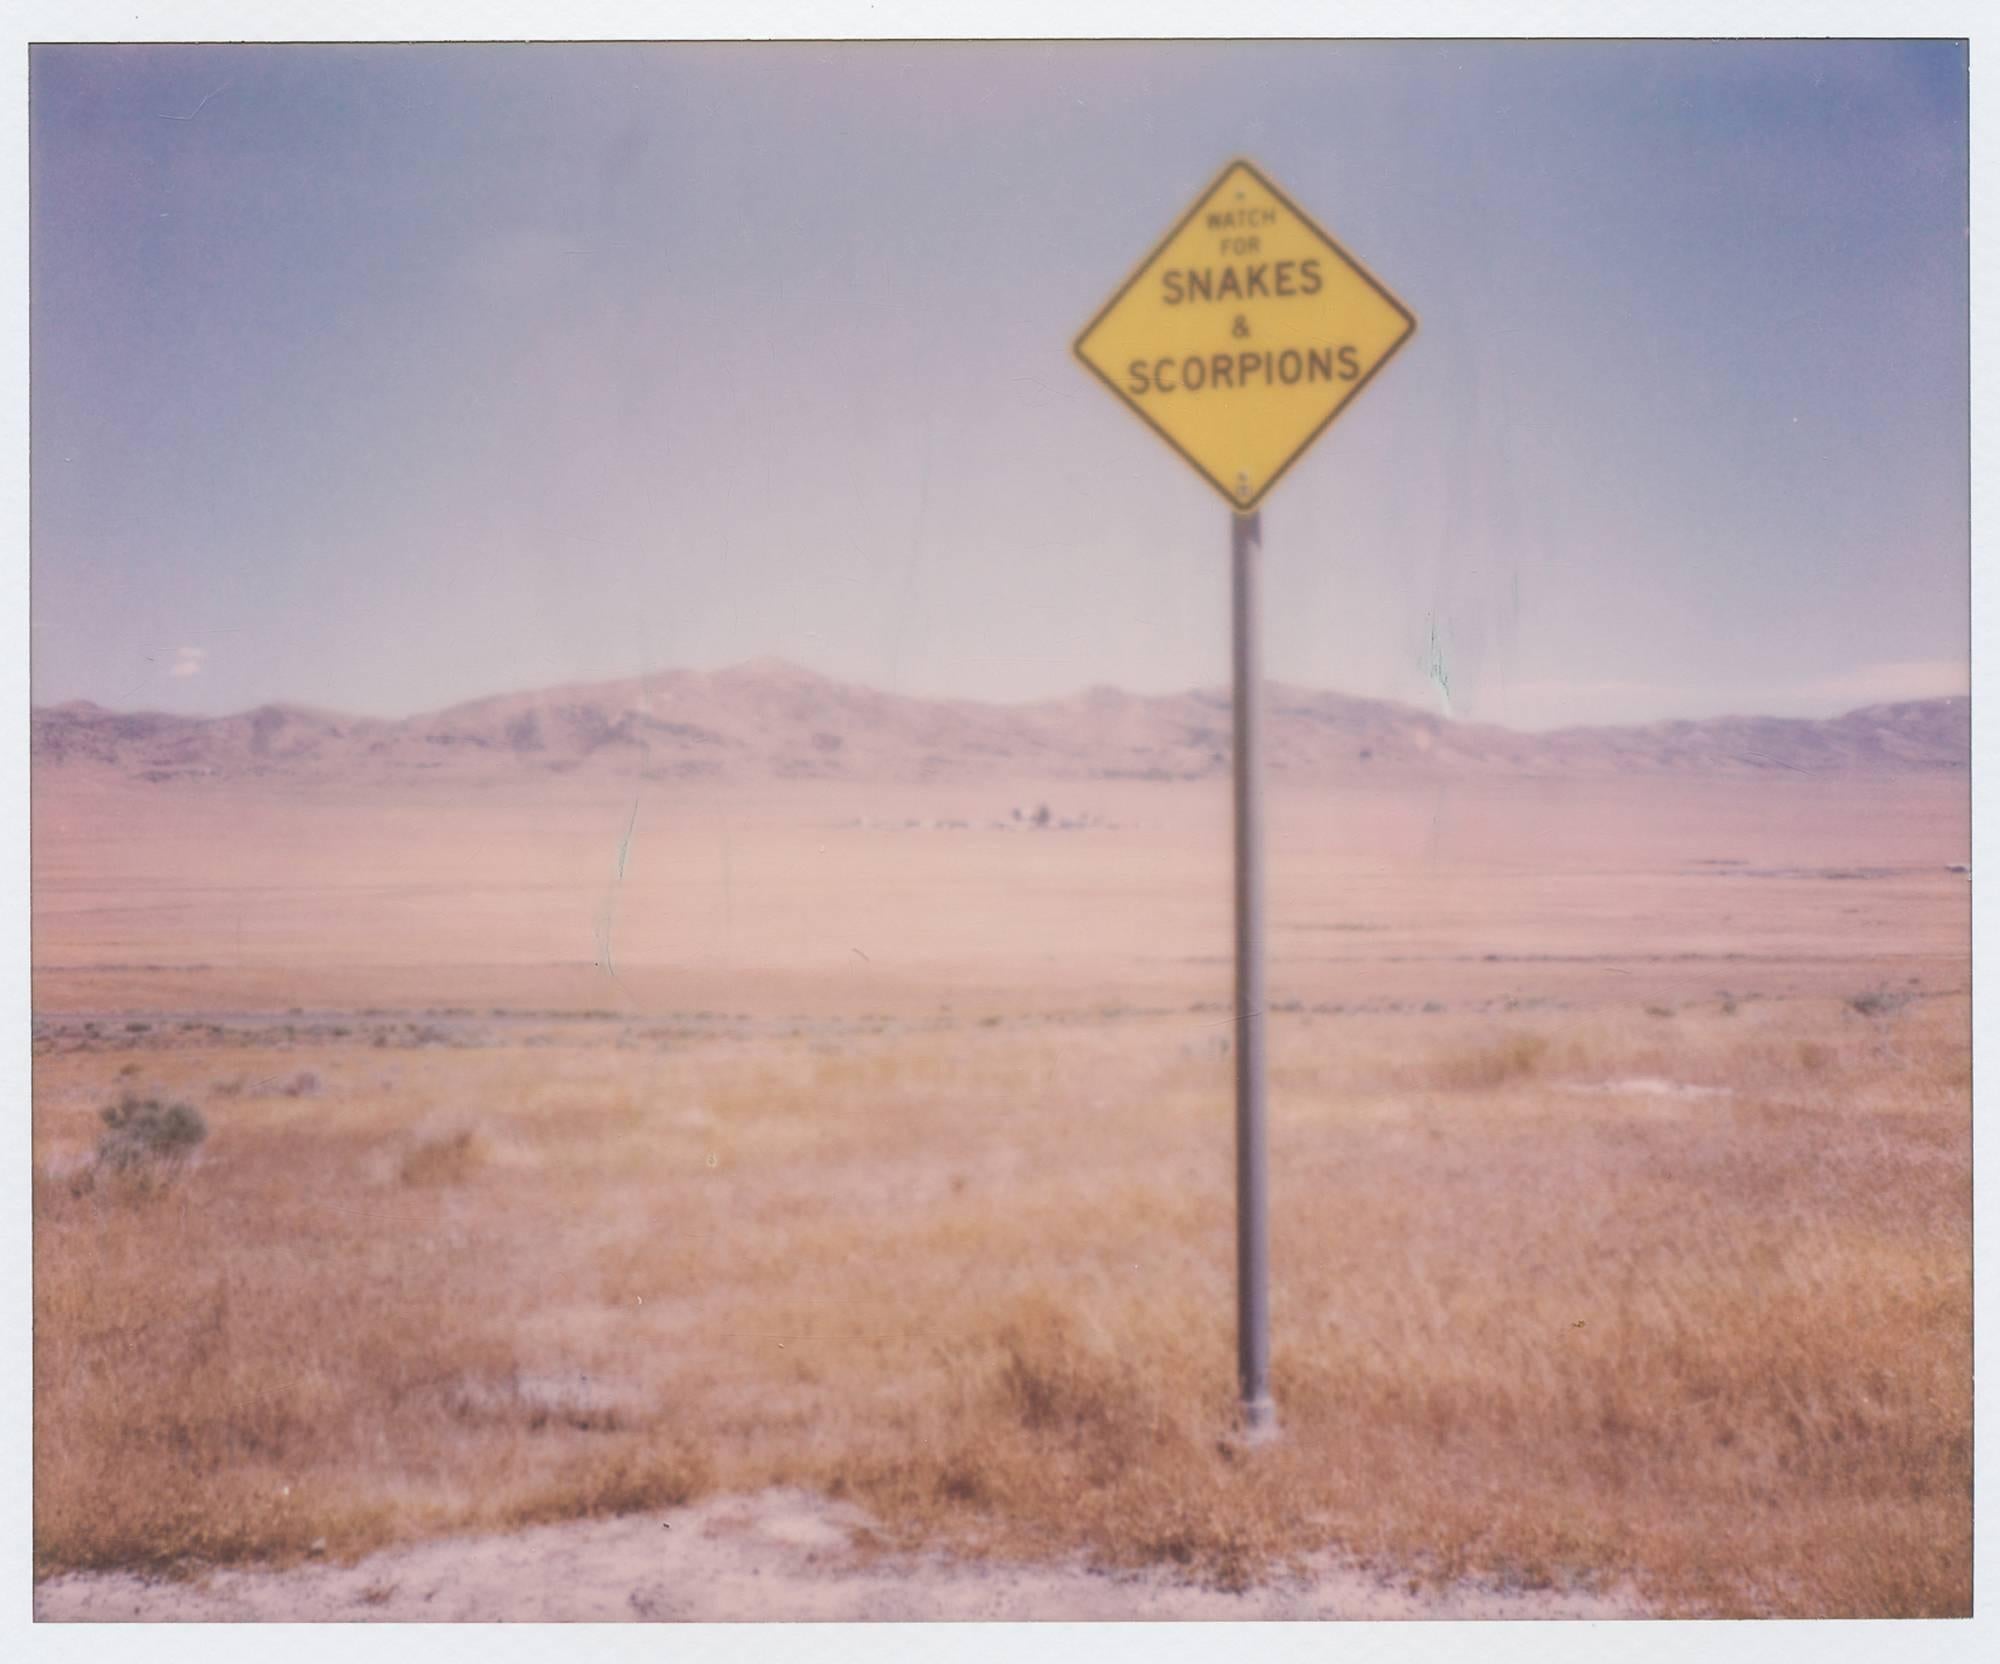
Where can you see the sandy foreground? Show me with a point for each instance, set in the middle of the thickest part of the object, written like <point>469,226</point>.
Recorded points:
<point>780,1556</point>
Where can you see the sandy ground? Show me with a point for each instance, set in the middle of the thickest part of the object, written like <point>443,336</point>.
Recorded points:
<point>823,899</point>
<point>781,1556</point>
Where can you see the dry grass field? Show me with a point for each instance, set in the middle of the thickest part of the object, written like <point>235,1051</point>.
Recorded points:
<point>562,1161</point>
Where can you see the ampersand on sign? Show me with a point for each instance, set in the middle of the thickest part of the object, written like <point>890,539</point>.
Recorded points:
<point>1241,328</point>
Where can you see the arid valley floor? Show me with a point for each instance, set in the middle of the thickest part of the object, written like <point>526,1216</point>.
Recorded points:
<point>638,1153</point>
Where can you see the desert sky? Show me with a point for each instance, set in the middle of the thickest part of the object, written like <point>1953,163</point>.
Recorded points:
<point>377,378</point>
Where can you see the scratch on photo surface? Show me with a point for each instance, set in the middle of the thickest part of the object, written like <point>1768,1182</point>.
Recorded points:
<point>1434,663</point>
<point>197,109</point>
<point>609,906</point>
<point>625,843</point>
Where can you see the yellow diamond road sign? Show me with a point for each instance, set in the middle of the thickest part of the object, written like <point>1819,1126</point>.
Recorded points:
<point>1244,334</point>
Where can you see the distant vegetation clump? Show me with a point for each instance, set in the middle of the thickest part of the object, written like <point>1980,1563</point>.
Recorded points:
<point>1878,1002</point>
<point>149,1135</point>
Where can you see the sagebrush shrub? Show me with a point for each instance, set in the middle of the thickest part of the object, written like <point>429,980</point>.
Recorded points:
<point>146,1132</point>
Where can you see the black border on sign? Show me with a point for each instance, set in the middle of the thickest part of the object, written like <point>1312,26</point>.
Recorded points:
<point>1243,505</point>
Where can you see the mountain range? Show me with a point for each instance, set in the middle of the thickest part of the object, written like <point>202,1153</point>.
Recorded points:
<point>772,720</point>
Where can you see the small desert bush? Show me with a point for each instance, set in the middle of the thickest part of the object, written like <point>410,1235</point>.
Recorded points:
<point>1052,1381</point>
<point>148,1134</point>
<point>627,1478</point>
<point>1878,1002</point>
<point>448,1157</point>
<point>1512,1057</point>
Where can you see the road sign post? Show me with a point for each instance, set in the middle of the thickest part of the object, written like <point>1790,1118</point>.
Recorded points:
<point>1238,340</point>
<point>1253,1247</point>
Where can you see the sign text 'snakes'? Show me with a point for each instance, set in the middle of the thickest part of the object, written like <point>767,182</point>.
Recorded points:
<point>1244,334</point>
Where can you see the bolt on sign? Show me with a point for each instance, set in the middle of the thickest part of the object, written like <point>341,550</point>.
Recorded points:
<point>1244,334</point>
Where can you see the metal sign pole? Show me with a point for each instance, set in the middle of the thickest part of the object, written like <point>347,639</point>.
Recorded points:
<point>1253,1260</point>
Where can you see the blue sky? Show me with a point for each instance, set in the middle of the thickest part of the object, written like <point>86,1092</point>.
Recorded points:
<point>378,378</point>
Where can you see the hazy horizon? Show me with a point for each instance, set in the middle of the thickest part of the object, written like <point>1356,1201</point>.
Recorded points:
<point>380,379</point>
<point>776,664</point>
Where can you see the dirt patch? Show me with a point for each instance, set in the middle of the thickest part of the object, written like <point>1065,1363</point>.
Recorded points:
<point>779,1556</point>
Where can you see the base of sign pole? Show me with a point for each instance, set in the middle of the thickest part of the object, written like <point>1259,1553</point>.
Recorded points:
<point>1259,1423</point>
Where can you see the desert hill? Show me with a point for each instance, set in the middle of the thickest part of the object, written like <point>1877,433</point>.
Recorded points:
<point>770,720</point>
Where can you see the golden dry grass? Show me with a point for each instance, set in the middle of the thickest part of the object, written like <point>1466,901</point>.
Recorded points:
<point>1540,1311</point>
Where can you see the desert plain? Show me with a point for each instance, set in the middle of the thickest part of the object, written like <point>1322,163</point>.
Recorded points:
<point>595,1150</point>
